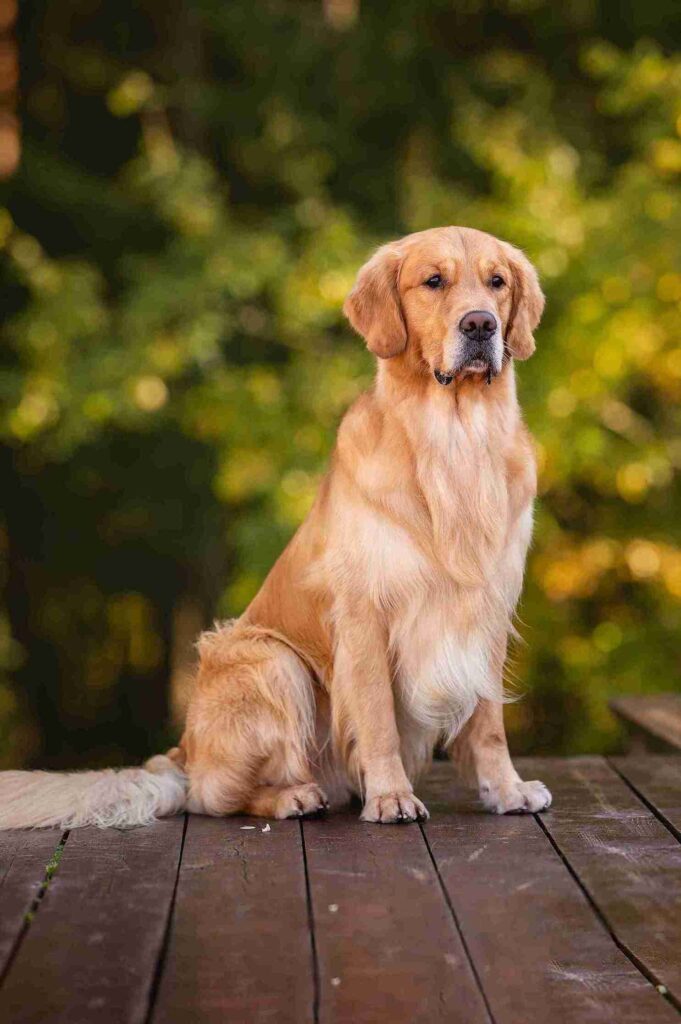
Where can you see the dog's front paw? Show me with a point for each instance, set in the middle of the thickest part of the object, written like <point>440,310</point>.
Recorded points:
<point>394,808</point>
<point>516,798</point>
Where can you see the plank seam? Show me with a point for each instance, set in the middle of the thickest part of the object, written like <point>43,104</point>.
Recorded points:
<point>656,982</point>
<point>311,928</point>
<point>644,799</point>
<point>165,942</point>
<point>50,871</point>
<point>457,925</point>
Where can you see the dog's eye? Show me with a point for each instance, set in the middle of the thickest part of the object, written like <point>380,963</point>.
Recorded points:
<point>497,281</point>
<point>433,282</point>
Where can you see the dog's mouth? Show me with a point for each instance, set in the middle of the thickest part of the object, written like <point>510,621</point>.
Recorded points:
<point>479,364</point>
<point>443,378</point>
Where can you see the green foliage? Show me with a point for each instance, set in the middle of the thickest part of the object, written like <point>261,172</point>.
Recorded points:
<point>197,192</point>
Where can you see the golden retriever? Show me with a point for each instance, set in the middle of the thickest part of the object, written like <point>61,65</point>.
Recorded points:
<point>382,628</point>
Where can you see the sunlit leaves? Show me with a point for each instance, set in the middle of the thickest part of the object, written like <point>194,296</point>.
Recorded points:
<point>199,298</point>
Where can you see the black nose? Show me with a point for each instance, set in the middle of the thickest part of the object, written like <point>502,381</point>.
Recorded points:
<point>478,325</point>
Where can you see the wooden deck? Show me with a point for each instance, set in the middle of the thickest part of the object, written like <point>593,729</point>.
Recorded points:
<point>573,916</point>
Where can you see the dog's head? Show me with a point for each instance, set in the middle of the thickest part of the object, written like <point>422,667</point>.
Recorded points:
<point>456,299</point>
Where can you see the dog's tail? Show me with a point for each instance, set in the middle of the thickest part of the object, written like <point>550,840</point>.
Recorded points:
<point>111,798</point>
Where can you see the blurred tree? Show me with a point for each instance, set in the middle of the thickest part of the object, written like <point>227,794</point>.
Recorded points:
<point>197,189</point>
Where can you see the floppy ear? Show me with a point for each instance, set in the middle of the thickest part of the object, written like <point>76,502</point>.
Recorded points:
<point>373,305</point>
<point>528,305</point>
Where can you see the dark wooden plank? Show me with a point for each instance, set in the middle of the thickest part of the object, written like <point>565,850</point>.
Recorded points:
<point>658,780</point>
<point>387,945</point>
<point>91,952</point>
<point>240,947</point>
<point>540,951</point>
<point>627,861</point>
<point>23,861</point>
<point>656,715</point>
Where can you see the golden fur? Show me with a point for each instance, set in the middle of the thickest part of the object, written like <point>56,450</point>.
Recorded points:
<point>382,628</point>
<point>383,625</point>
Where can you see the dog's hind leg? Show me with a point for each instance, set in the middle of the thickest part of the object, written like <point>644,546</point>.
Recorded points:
<point>301,801</point>
<point>250,728</point>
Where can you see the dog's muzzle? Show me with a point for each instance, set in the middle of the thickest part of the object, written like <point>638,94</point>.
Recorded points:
<point>478,330</point>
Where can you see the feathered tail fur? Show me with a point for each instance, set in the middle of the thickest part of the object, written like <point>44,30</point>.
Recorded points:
<point>111,798</point>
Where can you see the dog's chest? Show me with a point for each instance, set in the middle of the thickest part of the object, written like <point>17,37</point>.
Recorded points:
<point>440,506</point>
<point>461,473</point>
<point>445,647</point>
<point>388,554</point>
<point>448,523</point>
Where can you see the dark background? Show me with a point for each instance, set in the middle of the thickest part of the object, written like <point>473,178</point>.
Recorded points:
<point>188,192</point>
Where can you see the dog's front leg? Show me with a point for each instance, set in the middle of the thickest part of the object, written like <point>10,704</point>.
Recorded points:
<point>481,752</point>
<point>363,710</point>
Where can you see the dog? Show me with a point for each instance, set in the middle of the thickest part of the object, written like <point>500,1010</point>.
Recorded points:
<point>382,629</point>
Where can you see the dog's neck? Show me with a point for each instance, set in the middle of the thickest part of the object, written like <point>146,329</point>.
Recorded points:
<point>460,437</point>
<point>414,397</point>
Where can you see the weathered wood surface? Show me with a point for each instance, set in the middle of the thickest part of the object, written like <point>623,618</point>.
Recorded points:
<point>240,947</point>
<point>91,951</point>
<point>626,860</point>
<point>572,917</point>
<point>387,944</point>
<point>541,953</point>
<point>24,857</point>
<point>655,719</point>
<point>658,781</point>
